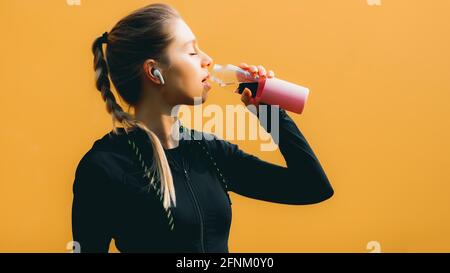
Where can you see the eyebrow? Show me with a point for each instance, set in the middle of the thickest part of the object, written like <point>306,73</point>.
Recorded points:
<point>194,40</point>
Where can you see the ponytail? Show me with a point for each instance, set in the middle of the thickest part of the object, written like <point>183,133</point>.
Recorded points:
<point>160,166</point>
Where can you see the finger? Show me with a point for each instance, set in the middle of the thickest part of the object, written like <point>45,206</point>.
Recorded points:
<point>261,71</point>
<point>243,65</point>
<point>244,99</point>
<point>246,96</point>
<point>251,99</point>
<point>253,69</point>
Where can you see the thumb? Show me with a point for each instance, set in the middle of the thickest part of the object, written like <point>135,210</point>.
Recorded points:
<point>246,96</point>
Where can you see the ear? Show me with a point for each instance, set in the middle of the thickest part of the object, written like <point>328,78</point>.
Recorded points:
<point>148,67</point>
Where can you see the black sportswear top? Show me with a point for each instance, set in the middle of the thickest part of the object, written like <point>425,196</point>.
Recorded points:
<point>113,199</point>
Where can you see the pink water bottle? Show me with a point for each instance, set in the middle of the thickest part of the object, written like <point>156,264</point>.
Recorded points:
<point>272,91</point>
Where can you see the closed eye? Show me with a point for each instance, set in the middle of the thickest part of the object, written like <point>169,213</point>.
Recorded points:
<point>193,54</point>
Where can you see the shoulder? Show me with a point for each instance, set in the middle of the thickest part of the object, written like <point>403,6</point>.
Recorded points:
<point>93,162</point>
<point>101,153</point>
<point>93,171</point>
<point>107,159</point>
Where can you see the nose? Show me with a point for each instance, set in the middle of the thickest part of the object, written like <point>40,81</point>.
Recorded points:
<point>207,61</point>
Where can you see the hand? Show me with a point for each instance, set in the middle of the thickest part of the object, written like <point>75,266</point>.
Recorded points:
<point>246,96</point>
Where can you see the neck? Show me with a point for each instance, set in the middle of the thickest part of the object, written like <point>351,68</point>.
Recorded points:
<point>160,121</point>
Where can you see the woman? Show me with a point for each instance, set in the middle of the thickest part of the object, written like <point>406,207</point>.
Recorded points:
<point>125,184</point>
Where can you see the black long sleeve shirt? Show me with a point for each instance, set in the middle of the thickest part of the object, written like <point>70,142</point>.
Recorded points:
<point>112,198</point>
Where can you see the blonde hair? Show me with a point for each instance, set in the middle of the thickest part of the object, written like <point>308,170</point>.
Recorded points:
<point>135,38</point>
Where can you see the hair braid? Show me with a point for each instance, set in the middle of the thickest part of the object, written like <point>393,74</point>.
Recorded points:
<point>142,34</point>
<point>103,85</point>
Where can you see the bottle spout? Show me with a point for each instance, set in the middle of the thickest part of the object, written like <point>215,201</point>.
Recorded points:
<point>231,75</point>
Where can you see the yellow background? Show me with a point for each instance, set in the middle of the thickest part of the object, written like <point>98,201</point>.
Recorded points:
<point>377,116</point>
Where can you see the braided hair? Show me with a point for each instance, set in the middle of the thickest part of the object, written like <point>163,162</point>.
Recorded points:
<point>103,85</point>
<point>140,35</point>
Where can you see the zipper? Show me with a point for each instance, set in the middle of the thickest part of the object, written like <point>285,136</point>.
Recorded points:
<point>198,209</point>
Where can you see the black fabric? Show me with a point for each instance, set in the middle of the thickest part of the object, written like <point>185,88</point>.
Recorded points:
<point>112,199</point>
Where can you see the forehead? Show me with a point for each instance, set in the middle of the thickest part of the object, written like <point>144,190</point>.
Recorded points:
<point>183,34</point>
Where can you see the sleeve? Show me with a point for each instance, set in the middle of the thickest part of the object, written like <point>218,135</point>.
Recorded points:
<point>302,182</point>
<point>90,211</point>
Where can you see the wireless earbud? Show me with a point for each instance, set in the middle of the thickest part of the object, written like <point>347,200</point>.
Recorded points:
<point>156,73</point>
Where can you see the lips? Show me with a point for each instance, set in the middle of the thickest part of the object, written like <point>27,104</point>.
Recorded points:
<point>206,78</point>
<point>206,85</point>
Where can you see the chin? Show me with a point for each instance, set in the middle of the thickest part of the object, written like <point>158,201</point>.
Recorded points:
<point>204,96</point>
<point>195,99</point>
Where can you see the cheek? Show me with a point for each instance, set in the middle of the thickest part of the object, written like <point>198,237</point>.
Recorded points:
<point>183,70</point>
<point>188,75</point>
<point>185,82</point>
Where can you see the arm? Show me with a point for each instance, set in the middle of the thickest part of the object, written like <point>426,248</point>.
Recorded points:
<point>303,181</point>
<point>90,220</point>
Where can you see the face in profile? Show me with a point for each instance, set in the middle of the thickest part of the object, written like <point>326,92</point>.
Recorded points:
<point>184,80</point>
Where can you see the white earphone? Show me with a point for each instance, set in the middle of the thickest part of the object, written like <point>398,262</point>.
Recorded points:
<point>157,73</point>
